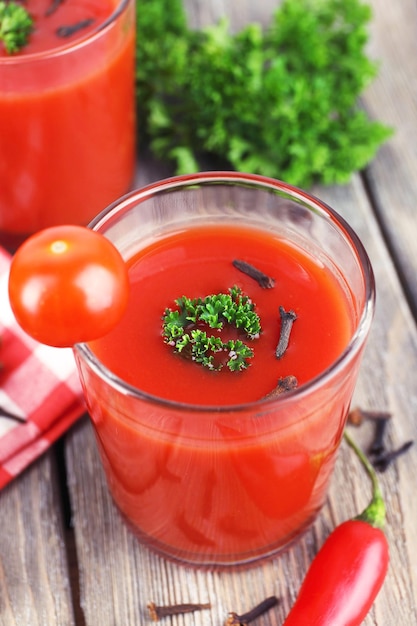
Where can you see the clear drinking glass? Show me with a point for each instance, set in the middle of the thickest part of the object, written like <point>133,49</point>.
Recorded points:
<point>228,484</point>
<point>67,128</point>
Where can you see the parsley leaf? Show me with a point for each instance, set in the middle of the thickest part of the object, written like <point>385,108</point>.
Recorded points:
<point>15,26</point>
<point>283,102</point>
<point>181,328</point>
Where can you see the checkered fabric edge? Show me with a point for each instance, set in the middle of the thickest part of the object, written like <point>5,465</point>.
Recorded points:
<point>40,392</point>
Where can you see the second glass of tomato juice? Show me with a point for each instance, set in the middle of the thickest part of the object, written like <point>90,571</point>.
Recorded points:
<point>67,116</point>
<point>219,400</point>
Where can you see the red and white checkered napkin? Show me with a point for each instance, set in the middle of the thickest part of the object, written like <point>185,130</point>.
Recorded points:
<point>39,387</point>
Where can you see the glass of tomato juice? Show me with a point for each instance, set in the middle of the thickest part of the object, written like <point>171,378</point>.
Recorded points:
<point>211,466</point>
<point>67,116</point>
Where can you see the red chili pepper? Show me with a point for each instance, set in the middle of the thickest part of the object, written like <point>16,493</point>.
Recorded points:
<point>349,570</point>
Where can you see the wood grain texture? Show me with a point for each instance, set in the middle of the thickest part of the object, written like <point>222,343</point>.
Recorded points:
<point>392,98</point>
<point>110,554</point>
<point>387,381</point>
<point>117,576</point>
<point>237,12</point>
<point>34,581</point>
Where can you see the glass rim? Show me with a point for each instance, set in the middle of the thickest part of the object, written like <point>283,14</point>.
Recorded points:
<point>348,354</point>
<point>66,48</point>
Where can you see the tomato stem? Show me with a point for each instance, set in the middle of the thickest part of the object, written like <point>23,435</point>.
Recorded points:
<point>375,512</point>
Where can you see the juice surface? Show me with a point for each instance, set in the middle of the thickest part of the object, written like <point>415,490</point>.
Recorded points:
<point>67,123</point>
<point>235,485</point>
<point>49,15</point>
<point>198,262</point>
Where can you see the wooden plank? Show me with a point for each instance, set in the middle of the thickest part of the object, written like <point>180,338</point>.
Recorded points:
<point>34,587</point>
<point>119,577</point>
<point>388,382</point>
<point>124,576</point>
<point>238,13</point>
<point>392,98</point>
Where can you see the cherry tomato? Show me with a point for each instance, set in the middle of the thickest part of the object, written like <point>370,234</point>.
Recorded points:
<point>68,284</point>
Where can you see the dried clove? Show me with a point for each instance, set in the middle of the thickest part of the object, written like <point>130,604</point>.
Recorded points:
<point>55,4</point>
<point>11,416</point>
<point>158,612</point>
<point>380,457</point>
<point>287,320</point>
<point>288,383</point>
<point>382,461</point>
<point>377,446</point>
<point>241,620</point>
<point>263,280</point>
<point>357,416</point>
<point>67,31</point>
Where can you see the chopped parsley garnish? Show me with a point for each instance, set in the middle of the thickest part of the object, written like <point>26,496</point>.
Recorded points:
<point>185,329</point>
<point>15,26</point>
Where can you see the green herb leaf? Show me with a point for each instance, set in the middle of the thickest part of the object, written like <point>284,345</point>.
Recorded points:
<point>281,102</point>
<point>15,26</point>
<point>180,329</point>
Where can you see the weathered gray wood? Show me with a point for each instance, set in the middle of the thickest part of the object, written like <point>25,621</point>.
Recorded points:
<point>109,554</point>
<point>125,576</point>
<point>387,381</point>
<point>118,577</point>
<point>34,581</point>
<point>392,98</point>
<point>237,12</point>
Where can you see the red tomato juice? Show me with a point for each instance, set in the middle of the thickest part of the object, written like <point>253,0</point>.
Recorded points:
<point>67,128</point>
<point>227,484</point>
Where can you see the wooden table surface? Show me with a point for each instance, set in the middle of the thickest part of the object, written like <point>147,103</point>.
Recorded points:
<point>65,555</point>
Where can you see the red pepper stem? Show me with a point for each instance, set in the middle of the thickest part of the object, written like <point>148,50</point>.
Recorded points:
<point>375,512</point>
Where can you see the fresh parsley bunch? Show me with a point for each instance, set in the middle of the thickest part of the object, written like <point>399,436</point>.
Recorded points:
<point>283,102</point>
